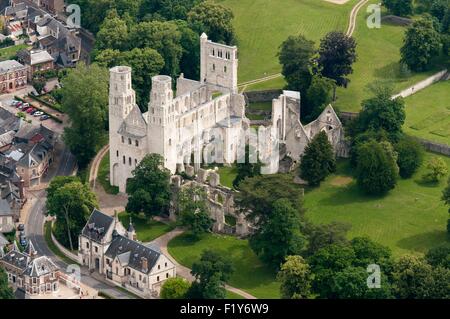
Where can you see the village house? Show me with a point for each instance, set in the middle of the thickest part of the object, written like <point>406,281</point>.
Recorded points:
<point>37,60</point>
<point>107,248</point>
<point>13,76</point>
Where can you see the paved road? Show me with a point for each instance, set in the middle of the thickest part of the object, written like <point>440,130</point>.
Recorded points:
<point>35,229</point>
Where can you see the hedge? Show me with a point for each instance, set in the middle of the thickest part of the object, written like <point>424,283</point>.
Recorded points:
<point>38,108</point>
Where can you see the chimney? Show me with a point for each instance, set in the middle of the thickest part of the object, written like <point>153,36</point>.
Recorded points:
<point>21,188</point>
<point>144,264</point>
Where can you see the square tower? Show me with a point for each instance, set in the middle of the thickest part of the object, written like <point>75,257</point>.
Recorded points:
<point>218,64</point>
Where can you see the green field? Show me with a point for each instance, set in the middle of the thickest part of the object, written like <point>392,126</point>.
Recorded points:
<point>378,61</point>
<point>262,25</point>
<point>103,176</point>
<point>10,52</point>
<point>410,220</point>
<point>250,274</point>
<point>428,113</point>
<point>146,230</point>
<point>227,175</point>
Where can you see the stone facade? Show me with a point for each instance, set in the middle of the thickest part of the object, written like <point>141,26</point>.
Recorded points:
<point>205,121</point>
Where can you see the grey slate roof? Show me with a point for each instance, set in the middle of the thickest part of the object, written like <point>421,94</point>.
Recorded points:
<point>10,65</point>
<point>5,209</point>
<point>40,266</point>
<point>97,226</point>
<point>131,253</point>
<point>17,259</point>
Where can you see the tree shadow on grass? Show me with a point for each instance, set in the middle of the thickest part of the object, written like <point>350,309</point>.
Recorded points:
<point>423,183</point>
<point>421,243</point>
<point>348,195</point>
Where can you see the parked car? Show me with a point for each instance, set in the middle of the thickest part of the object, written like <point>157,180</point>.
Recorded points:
<point>38,113</point>
<point>44,117</point>
<point>23,240</point>
<point>26,104</point>
<point>29,110</point>
<point>34,111</point>
<point>21,227</point>
<point>14,102</point>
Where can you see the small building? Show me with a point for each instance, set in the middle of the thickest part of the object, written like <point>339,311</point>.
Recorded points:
<point>13,76</point>
<point>6,217</point>
<point>107,248</point>
<point>37,60</point>
<point>53,6</point>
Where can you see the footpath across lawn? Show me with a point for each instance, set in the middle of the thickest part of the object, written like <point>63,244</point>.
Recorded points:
<point>146,230</point>
<point>411,219</point>
<point>249,275</point>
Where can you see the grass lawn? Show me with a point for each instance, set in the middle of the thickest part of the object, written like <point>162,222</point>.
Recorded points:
<point>410,220</point>
<point>146,230</point>
<point>262,25</point>
<point>232,295</point>
<point>428,113</point>
<point>103,176</point>
<point>276,83</point>
<point>250,274</point>
<point>255,117</point>
<point>10,52</point>
<point>378,53</point>
<point>227,175</point>
<point>264,106</point>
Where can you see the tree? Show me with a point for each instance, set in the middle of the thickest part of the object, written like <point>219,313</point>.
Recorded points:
<point>38,83</point>
<point>410,156</point>
<point>422,42</point>
<point>439,257</point>
<point>211,272</point>
<point>295,277</point>
<point>376,169</point>
<point>213,19</point>
<point>168,9</point>
<point>163,37</point>
<point>368,252</point>
<point>320,236</point>
<point>381,113</point>
<point>446,199</point>
<point>175,288</point>
<point>318,160</point>
<point>280,236</point>
<point>85,100</point>
<point>318,96</point>
<point>295,56</point>
<point>193,209</point>
<point>5,290</point>
<point>413,278</point>
<point>436,170</point>
<point>337,53</point>
<point>401,8</point>
<point>258,194</point>
<point>247,169</point>
<point>149,188</point>
<point>190,58</point>
<point>70,202</point>
<point>113,33</point>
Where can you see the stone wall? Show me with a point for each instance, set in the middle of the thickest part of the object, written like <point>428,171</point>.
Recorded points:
<point>262,96</point>
<point>435,147</point>
<point>64,250</point>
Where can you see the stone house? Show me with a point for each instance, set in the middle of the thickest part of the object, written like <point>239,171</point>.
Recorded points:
<point>13,76</point>
<point>108,249</point>
<point>37,60</point>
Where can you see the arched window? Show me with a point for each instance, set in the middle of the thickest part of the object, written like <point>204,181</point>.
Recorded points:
<point>117,153</point>
<point>135,161</point>
<point>123,140</point>
<point>137,143</point>
<point>225,69</point>
<point>123,159</point>
<point>129,141</point>
<point>129,161</point>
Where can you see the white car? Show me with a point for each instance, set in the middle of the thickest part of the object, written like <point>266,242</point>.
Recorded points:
<point>38,113</point>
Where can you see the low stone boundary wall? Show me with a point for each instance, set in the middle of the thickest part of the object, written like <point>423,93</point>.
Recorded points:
<point>435,147</point>
<point>442,75</point>
<point>64,250</point>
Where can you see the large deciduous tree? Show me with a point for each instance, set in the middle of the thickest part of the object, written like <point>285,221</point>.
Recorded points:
<point>71,202</point>
<point>436,170</point>
<point>381,112</point>
<point>213,19</point>
<point>280,236</point>
<point>401,8</point>
<point>376,170</point>
<point>295,277</point>
<point>113,33</point>
<point>295,56</point>
<point>167,9</point>
<point>318,160</point>
<point>211,272</point>
<point>247,167</point>
<point>337,53</point>
<point>193,210</point>
<point>149,187</point>
<point>422,42</point>
<point>318,96</point>
<point>410,156</point>
<point>85,100</point>
<point>175,288</point>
